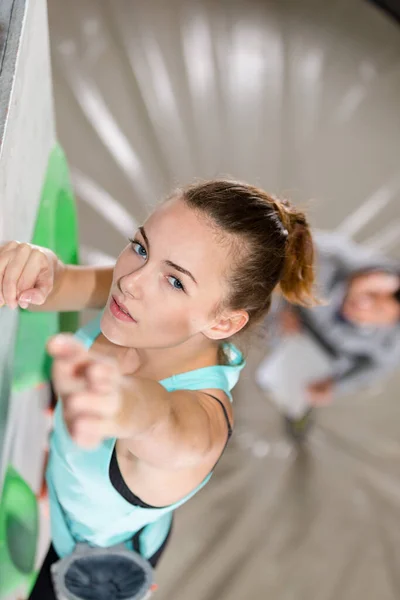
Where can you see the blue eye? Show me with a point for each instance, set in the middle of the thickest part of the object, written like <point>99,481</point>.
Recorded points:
<point>138,248</point>
<point>176,283</point>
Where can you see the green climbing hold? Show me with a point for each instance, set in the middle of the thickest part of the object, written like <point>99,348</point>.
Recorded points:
<point>56,228</point>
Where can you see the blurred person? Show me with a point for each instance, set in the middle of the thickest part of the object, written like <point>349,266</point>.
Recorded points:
<point>145,390</point>
<point>354,332</point>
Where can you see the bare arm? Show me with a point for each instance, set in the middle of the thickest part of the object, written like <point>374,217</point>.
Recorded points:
<point>77,288</point>
<point>173,430</point>
<point>33,277</point>
<point>364,373</point>
<point>169,430</point>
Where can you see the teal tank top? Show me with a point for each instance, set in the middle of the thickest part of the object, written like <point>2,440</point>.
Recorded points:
<point>84,505</point>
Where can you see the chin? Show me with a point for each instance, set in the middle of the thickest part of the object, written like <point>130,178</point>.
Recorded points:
<point>113,336</point>
<point>112,332</point>
<point>118,335</point>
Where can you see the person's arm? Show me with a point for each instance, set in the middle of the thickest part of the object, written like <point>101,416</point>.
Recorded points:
<point>363,373</point>
<point>34,278</point>
<point>171,430</point>
<point>76,288</point>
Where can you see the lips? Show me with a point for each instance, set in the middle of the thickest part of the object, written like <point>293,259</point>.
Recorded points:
<point>120,312</point>
<point>122,307</point>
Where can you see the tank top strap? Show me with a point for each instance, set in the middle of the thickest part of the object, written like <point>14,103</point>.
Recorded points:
<point>89,332</point>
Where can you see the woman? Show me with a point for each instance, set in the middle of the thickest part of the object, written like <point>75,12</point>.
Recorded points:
<point>146,406</point>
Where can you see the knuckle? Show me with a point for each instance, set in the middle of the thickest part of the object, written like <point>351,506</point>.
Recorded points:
<point>40,255</point>
<point>23,246</point>
<point>10,246</point>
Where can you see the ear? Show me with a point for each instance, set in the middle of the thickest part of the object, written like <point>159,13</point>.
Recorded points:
<point>227,324</point>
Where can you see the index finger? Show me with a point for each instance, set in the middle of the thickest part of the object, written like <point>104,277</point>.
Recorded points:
<point>65,345</point>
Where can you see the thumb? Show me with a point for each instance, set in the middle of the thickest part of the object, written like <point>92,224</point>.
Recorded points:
<point>32,296</point>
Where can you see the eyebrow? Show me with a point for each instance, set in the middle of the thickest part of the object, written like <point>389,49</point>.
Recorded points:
<point>144,236</point>
<point>181,270</point>
<point>168,262</point>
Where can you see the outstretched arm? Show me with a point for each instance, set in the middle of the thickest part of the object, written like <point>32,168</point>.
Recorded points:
<point>170,430</point>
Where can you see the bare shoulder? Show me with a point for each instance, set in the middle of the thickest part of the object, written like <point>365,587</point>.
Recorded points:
<point>214,398</point>
<point>161,478</point>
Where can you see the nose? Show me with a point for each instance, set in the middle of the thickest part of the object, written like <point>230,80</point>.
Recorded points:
<point>132,284</point>
<point>364,302</point>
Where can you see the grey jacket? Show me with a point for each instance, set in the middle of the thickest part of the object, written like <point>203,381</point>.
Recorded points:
<point>361,355</point>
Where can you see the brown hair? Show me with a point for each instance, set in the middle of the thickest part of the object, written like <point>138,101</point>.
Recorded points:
<point>272,243</point>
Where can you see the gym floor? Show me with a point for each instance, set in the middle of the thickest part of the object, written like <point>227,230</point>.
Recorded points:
<point>302,97</point>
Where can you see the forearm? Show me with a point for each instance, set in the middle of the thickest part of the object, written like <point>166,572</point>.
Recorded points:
<point>77,288</point>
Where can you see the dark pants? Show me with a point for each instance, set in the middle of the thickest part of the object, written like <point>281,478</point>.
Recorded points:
<point>43,589</point>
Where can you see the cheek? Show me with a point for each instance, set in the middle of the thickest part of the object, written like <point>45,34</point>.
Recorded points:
<point>182,316</point>
<point>391,314</point>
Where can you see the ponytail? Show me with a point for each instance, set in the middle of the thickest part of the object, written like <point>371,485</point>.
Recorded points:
<point>297,277</point>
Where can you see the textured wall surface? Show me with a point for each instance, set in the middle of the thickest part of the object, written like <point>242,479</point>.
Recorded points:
<point>26,138</point>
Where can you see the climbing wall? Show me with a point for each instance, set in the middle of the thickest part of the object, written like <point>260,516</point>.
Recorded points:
<point>36,204</point>
<point>26,138</point>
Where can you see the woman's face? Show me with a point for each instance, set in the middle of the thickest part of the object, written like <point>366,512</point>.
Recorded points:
<point>170,280</point>
<point>370,300</point>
